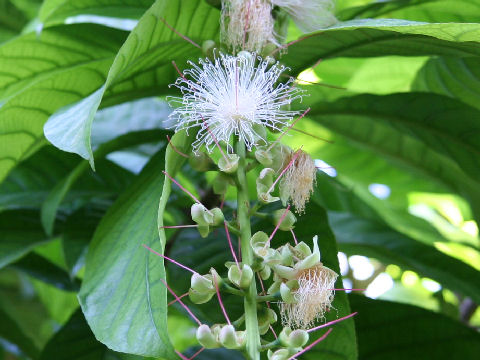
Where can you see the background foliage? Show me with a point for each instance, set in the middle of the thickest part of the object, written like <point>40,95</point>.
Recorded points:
<point>394,90</point>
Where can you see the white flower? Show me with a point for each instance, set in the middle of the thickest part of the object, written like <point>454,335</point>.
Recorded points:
<point>233,95</point>
<point>309,15</point>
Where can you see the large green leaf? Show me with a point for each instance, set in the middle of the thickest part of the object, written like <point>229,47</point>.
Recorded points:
<point>145,58</point>
<point>44,76</point>
<point>365,38</point>
<point>388,330</point>
<point>418,10</point>
<point>54,11</point>
<point>122,297</point>
<point>454,77</point>
<point>75,341</point>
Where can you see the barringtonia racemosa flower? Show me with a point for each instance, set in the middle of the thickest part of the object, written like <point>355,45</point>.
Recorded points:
<point>233,95</point>
<point>309,15</point>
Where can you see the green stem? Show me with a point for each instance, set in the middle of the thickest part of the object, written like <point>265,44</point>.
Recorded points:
<point>250,302</point>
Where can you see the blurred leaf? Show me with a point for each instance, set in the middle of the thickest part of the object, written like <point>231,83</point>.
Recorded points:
<point>42,269</point>
<point>55,11</point>
<point>146,54</point>
<point>361,234</point>
<point>122,297</point>
<point>75,341</point>
<point>365,38</point>
<point>388,330</point>
<point>11,332</point>
<point>67,64</point>
<point>21,232</point>
<point>12,20</point>
<point>433,11</point>
<point>454,77</point>
<point>58,193</point>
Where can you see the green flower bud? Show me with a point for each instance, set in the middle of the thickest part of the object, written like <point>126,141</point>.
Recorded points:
<point>265,272</point>
<point>241,277</point>
<point>206,338</point>
<point>264,186</point>
<point>230,338</point>
<point>298,338</point>
<point>208,48</point>
<point>282,354</point>
<point>228,163</point>
<point>265,319</point>
<point>286,294</point>
<point>218,217</point>
<point>200,162</point>
<point>200,297</point>
<point>202,283</point>
<point>201,215</point>
<point>287,256</point>
<point>263,156</point>
<point>288,221</point>
<point>258,242</point>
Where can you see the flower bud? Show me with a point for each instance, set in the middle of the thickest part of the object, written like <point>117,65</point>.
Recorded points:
<point>241,277</point>
<point>218,217</point>
<point>202,283</point>
<point>263,156</point>
<point>265,319</point>
<point>287,256</point>
<point>265,272</point>
<point>200,297</point>
<point>228,163</point>
<point>264,186</point>
<point>293,339</point>
<point>288,219</point>
<point>261,249</point>
<point>201,215</point>
<point>282,354</point>
<point>206,338</point>
<point>200,161</point>
<point>230,338</point>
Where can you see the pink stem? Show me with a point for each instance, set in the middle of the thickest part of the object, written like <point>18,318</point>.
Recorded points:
<point>181,355</point>
<point>174,301</point>
<point>294,237</point>
<point>220,301</point>
<point>332,322</point>
<point>288,129</point>
<point>278,226</point>
<point>297,153</point>
<point>197,353</point>
<point>311,345</point>
<point>181,35</point>
<point>181,302</point>
<point>178,70</point>
<point>185,190</point>
<point>230,244</point>
<point>171,260</point>
<point>175,149</point>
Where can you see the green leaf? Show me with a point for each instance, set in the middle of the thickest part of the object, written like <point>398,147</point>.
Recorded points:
<point>366,38</point>
<point>122,297</point>
<point>458,78</point>
<point>359,230</point>
<point>55,11</point>
<point>42,269</point>
<point>12,20</point>
<point>12,333</point>
<point>64,70</point>
<point>75,341</point>
<point>433,11</point>
<point>146,57</point>
<point>21,232</point>
<point>388,330</point>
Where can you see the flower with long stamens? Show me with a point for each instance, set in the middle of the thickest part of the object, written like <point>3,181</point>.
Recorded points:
<point>233,95</point>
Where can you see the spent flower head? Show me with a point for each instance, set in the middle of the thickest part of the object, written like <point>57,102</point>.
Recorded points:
<point>233,95</point>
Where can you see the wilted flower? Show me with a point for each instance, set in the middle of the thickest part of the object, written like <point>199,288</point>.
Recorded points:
<point>298,181</point>
<point>233,95</point>
<point>309,15</point>
<point>247,24</point>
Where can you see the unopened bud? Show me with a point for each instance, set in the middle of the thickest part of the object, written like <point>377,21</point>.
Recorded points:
<point>285,224</point>
<point>241,277</point>
<point>200,161</point>
<point>264,186</point>
<point>282,354</point>
<point>265,272</point>
<point>228,163</point>
<point>206,338</point>
<point>218,217</point>
<point>230,338</point>
<point>202,283</point>
<point>265,319</point>
<point>201,215</point>
<point>200,297</point>
<point>263,156</point>
<point>293,339</point>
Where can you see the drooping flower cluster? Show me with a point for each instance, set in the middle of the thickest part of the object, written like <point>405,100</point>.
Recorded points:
<point>233,95</point>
